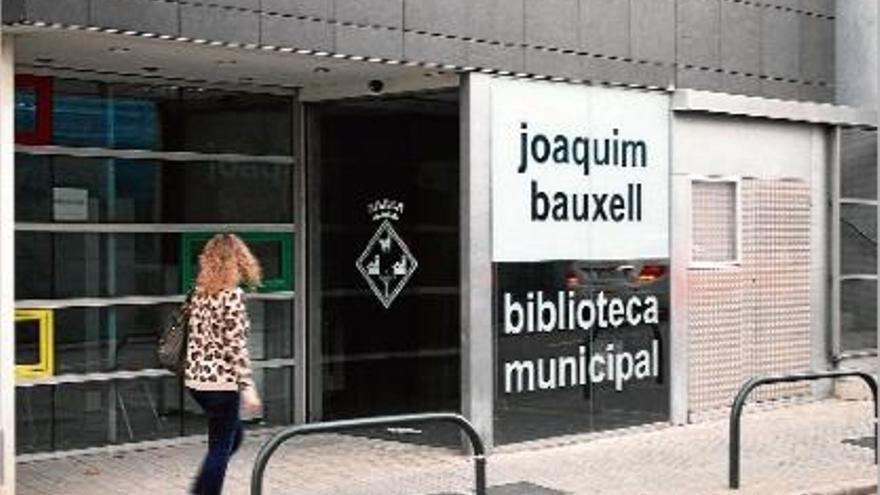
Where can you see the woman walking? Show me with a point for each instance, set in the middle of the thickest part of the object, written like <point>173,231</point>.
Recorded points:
<point>218,368</point>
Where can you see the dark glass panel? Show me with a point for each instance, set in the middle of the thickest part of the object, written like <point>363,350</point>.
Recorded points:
<point>858,163</point>
<point>65,265</point>
<point>27,342</point>
<point>858,239</point>
<point>572,400</point>
<point>25,109</point>
<point>121,191</point>
<point>117,338</point>
<point>222,122</point>
<point>858,315</point>
<point>33,419</point>
<point>401,354</point>
<point>84,415</point>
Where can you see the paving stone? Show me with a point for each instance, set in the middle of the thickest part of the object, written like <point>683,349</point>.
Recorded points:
<point>811,448</point>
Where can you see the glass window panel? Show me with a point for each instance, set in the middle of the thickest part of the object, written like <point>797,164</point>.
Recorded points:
<point>147,409</point>
<point>858,163</point>
<point>108,339</point>
<point>276,390</point>
<point>858,239</point>
<point>858,315</point>
<point>79,113</point>
<point>33,419</point>
<point>81,341</point>
<point>596,405</point>
<point>137,116</point>
<point>223,122</point>
<point>83,415</point>
<point>271,329</point>
<point>132,334</point>
<point>25,109</point>
<point>114,116</point>
<point>114,338</point>
<point>27,342</point>
<point>65,265</point>
<point>122,191</point>
<point>275,386</point>
<point>33,188</point>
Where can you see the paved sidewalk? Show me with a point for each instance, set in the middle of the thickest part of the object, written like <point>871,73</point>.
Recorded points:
<point>794,449</point>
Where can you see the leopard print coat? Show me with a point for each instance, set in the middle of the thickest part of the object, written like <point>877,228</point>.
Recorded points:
<point>217,354</point>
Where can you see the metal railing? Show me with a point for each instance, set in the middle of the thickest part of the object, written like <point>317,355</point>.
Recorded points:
<point>752,384</point>
<point>271,445</point>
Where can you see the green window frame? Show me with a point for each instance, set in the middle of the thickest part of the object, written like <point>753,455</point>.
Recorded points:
<point>189,251</point>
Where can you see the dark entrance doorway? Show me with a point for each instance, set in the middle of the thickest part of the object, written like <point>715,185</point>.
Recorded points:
<point>384,300</point>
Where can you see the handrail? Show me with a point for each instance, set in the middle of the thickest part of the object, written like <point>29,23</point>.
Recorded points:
<point>273,443</point>
<point>753,383</point>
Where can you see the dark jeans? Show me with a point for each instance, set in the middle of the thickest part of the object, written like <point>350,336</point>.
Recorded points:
<point>224,437</point>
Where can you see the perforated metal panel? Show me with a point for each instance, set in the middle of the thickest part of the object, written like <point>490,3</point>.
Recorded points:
<point>753,319</point>
<point>776,253</point>
<point>715,319</point>
<point>714,222</point>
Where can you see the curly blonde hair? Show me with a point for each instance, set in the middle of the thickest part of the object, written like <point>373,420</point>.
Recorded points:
<point>226,262</point>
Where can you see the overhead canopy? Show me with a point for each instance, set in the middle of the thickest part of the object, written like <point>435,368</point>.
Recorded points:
<point>87,53</point>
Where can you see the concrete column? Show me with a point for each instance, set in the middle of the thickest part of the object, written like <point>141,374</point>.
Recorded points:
<point>477,357</point>
<point>7,266</point>
<point>856,52</point>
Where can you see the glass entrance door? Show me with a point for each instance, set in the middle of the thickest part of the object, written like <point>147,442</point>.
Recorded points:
<point>384,319</point>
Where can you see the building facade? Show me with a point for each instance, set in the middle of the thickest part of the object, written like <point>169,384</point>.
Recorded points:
<point>554,216</point>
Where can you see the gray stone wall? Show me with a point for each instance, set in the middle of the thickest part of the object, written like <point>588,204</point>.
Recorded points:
<point>772,48</point>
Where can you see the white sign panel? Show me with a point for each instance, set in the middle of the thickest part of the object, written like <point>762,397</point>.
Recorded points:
<point>578,173</point>
<point>70,204</point>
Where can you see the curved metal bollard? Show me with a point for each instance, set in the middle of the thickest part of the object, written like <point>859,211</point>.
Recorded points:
<point>752,384</point>
<point>463,424</point>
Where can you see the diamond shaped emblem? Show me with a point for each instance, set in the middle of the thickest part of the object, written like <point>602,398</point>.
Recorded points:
<point>386,264</point>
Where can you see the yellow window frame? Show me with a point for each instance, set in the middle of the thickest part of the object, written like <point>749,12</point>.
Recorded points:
<point>46,366</point>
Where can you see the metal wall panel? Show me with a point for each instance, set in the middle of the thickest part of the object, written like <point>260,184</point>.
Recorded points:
<point>784,49</point>
<point>447,17</point>
<point>780,43</point>
<point>652,30</point>
<point>64,11</point>
<point>753,318</point>
<point>387,13</point>
<point>369,42</point>
<point>213,23</point>
<point>552,23</point>
<point>698,32</point>
<point>296,33</point>
<point>740,38</point>
<point>605,27</point>
<point>776,256</point>
<point>314,8</point>
<point>139,15</point>
<point>715,327</point>
<point>428,48</point>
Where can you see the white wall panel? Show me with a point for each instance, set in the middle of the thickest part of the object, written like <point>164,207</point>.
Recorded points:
<point>755,318</point>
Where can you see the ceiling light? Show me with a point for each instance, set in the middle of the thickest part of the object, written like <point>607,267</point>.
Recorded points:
<point>321,70</point>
